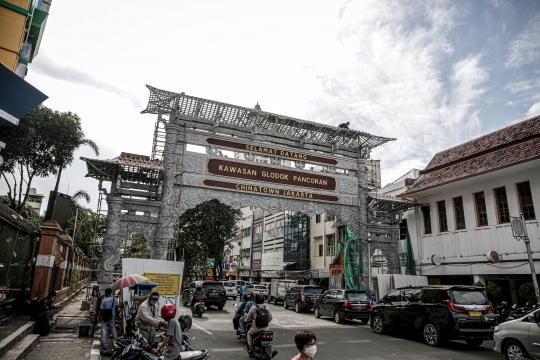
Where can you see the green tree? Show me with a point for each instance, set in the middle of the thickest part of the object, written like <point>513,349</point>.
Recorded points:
<point>204,231</point>
<point>41,145</point>
<point>27,212</point>
<point>140,248</point>
<point>85,231</point>
<point>494,292</point>
<point>526,292</point>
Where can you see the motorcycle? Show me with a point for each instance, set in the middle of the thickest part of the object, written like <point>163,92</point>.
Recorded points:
<point>262,345</point>
<point>198,308</point>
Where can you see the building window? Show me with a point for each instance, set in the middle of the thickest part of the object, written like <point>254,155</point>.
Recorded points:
<point>525,200</point>
<point>481,212</point>
<point>427,220</point>
<point>246,231</point>
<point>330,246</point>
<point>321,248</point>
<point>329,217</point>
<point>459,213</point>
<point>258,229</point>
<point>317,218</point>
<point>441,209</point>
<point>502,205</point>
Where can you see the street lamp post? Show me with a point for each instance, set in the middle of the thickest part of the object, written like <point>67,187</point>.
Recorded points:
<point>520,232</point>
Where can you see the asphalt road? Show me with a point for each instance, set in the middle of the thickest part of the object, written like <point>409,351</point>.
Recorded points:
<point>351,340</point>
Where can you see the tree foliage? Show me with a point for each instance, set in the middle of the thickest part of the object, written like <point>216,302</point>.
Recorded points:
<point>41,145</point>
<point>27,212</point>
<point>139,249</point>
<point>83,235</point>
<point>204,231</point>
<point>526,292</point>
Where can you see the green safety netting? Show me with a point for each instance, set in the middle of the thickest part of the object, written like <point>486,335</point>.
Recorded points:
<point>354,261</point>
<point>409,263</point>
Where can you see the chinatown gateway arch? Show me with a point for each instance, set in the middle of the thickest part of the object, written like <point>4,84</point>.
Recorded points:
<point>148,193</point>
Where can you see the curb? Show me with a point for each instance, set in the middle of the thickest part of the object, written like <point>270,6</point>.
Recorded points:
<point>95,353</point>
<point>17,336</point>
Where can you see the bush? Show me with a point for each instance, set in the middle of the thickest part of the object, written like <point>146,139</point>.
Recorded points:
<point>479,283</point>
<point>494,292</point>
<point>526,292</point>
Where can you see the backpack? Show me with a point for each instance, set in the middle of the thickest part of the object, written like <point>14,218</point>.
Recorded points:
<point>107,314</point>
<point>262,317</point>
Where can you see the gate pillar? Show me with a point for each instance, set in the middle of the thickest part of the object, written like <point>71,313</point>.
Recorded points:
<point>113,241</point>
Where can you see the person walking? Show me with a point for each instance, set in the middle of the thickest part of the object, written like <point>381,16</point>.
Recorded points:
<point>107,312</point>
<point>242,290</point>
<point>173,340</point>
<point>260,315</point>
<point>147,317</point>
<point>306,343</point>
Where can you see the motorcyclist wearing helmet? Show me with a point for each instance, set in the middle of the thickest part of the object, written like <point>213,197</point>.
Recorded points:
<point>252,316</point>
<point>198,294</point>
<point>249,304</point>
<point>173,341</point>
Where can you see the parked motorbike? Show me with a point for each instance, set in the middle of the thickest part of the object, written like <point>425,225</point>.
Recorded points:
<point>198,308</point>
<point>262,345</point>
<point>502,314</point>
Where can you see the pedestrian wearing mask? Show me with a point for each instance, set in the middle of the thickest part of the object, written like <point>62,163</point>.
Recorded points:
<point>147,317</point>
<point>306,342</point>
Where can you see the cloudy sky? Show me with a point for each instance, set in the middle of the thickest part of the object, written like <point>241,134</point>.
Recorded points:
<point>432,74</point>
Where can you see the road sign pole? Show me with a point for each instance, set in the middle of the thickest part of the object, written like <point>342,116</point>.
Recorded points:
<point>531,261</point>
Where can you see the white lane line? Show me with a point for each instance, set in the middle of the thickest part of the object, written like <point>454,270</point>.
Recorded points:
<point>356,341</point>
<point>206,331</point>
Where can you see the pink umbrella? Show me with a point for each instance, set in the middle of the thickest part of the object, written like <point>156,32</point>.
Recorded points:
<point>127,281</point>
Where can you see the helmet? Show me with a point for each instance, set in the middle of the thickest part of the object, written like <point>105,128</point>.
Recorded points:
<point>247,297</point>
<point>185,322</point>
<point>168,311</point>
<point>504,303</point>
<point>259,298</point>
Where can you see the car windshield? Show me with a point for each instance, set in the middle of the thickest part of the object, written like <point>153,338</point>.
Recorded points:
<point>212,286</point>
<point>469,297</point>
<point>229,284</point>
<point>356,295</point>
<point>312,290</point>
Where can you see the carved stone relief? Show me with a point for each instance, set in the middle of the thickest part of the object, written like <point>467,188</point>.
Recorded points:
<point>348,186</point>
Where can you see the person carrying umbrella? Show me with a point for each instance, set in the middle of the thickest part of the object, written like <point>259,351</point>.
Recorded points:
<point>147,317</point>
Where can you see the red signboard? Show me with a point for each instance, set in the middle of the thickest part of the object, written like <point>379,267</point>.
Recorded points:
<point>254,172</point>
<point>293,155</point>
<point>208,277</point>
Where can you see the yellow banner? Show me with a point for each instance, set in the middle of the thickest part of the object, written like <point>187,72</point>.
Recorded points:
<point>168,284</point>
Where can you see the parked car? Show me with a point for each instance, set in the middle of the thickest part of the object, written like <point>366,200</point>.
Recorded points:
<point>519,338</point>
<point>215,293</point>
<point>301,297</point>
<point>439,313</point>
<point>261,289</point>
<point>343,304</point>
<point>230,288</point>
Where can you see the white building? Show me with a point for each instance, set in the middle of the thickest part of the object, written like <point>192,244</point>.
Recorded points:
<point>35,200</point>
<point>470,192</point>
<point>323,247</point>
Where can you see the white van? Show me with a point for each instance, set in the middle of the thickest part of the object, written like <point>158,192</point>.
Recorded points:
<point>230,288</point>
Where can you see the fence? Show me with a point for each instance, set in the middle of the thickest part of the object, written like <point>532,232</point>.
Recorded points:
<point>18,240</point>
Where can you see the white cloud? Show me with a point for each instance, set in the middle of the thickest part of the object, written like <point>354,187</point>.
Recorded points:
<point>525,48</point>
<point>392,83</point>
<point>533,110</point>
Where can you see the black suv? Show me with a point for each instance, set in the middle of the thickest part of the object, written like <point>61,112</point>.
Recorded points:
<point>301,297</point>
<point>343,304</point>
<point>439,313</point>
<point>215,293</point>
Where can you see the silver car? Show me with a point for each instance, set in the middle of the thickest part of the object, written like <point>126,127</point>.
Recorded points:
<point>519,338</point>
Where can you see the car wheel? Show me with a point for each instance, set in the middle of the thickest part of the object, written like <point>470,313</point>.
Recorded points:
<point>337,317</point>
<point>474,342</point>
<point>378,326</point>
<point>514,350</point>
<point>275,301</point>
<point>316,312</point>
<point>234,298</point>
<point>431,335</point>
<point>297,307</point>
<point>285,306</point>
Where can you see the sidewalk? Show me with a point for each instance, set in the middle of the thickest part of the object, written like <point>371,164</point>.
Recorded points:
<point>64,343</point>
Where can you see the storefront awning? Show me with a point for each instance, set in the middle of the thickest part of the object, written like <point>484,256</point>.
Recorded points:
<point>17,97</point>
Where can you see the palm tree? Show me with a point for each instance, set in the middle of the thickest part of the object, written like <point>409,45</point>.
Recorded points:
<point>92,146</point>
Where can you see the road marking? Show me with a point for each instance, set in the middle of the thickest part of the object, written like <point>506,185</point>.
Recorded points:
<point>356,341</point>
<point>206,331</point>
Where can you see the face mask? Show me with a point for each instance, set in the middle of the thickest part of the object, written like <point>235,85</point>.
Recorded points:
<point>311,351</point>
<point>153,302</point>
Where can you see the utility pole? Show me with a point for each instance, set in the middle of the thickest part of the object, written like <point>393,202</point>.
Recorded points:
<point>520,232</point>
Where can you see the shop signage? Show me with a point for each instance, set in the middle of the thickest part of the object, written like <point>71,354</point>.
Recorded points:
<point>254,172</point>
<point>324,272</point>
<point>271,191</point>
<point>293,155</point>
<point>208,277</point>
<point>315,273</point>
<point>436,259</point>
<point>336,269</point>
<point>167,284</point>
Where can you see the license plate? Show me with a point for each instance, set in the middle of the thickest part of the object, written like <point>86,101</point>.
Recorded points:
<point>475,313</point>
<point>267,343</point>
<point>360,308</point>
<point>213,295</point>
